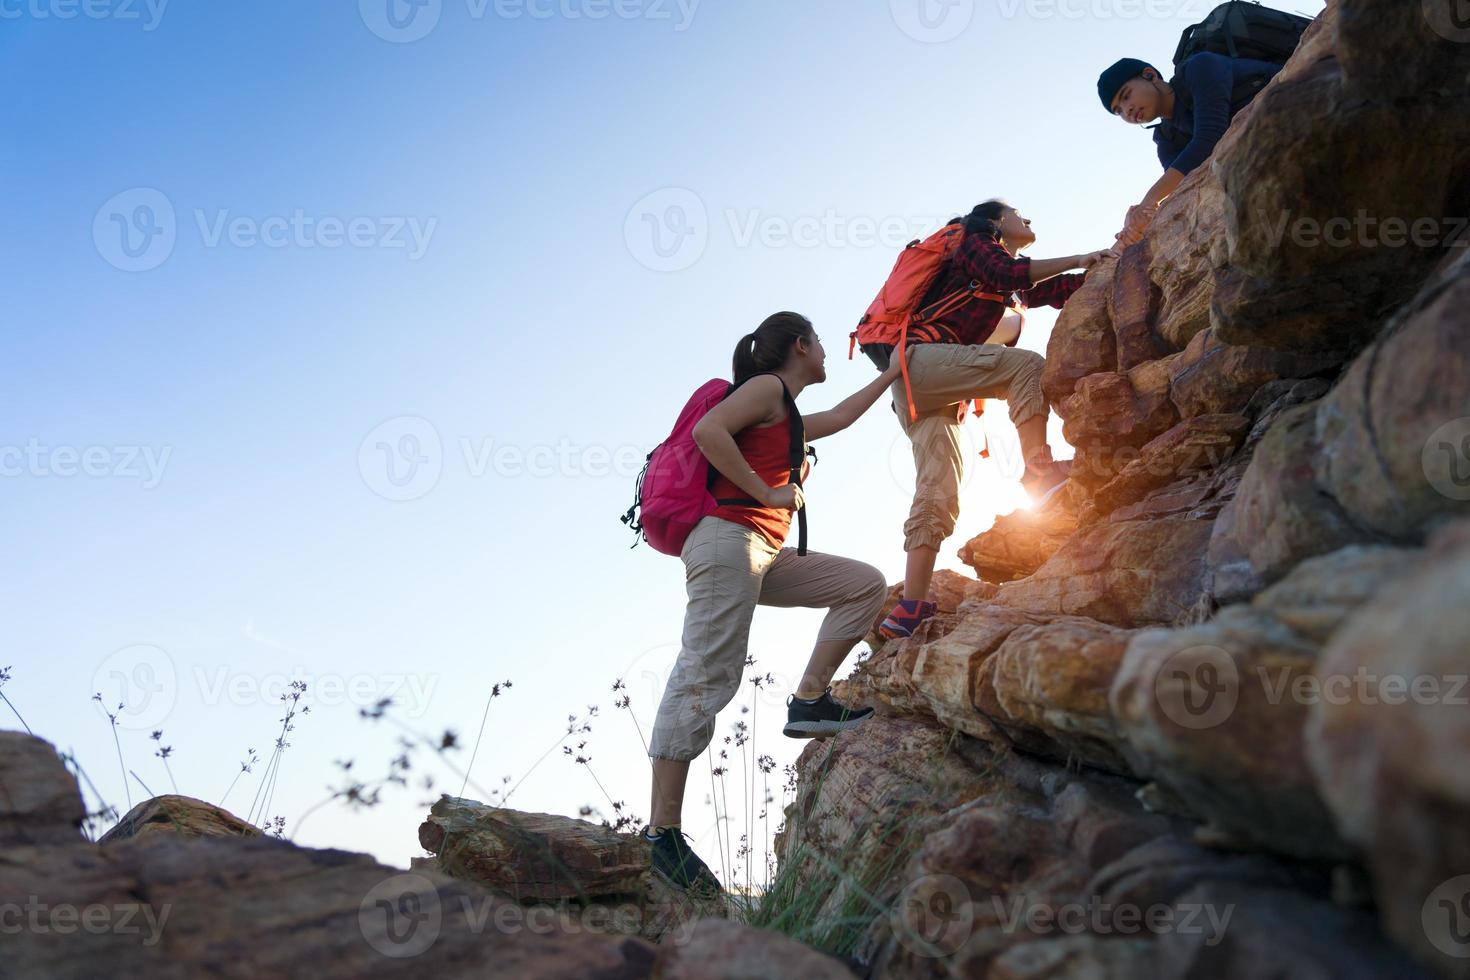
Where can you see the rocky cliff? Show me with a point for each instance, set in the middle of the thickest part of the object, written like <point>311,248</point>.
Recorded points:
<point>1213,721</point>
<point>1205,716</point>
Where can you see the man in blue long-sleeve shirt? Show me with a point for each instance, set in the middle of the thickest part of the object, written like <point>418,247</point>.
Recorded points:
<point>1195,107</point>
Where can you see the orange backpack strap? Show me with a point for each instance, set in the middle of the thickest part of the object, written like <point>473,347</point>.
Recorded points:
<point>984,439</point>
<point>902,350</point>
<point>946,305</point>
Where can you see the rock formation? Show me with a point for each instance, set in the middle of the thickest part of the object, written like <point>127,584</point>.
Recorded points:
<point>1205,716</point>
<point>1224,674</point>
<point>543,859</point>
<point>182,816</point>
<point>181,888</point>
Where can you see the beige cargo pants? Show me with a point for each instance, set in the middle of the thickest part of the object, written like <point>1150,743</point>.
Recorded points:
<point>729,570</point>
<point>943,377</point>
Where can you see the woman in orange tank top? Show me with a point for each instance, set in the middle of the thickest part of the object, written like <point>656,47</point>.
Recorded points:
<point>734,560</point>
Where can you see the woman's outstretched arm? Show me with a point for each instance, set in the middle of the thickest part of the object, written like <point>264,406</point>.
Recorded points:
<point>851,408</point>
<point>990,264</point>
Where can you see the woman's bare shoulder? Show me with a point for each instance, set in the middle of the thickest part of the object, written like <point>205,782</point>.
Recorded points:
<point>767,393</point>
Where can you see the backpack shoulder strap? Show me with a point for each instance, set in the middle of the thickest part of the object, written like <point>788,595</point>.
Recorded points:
<point>796,457</point>
<point>1242,90</point>
<point>1247,87</point>
<point>1171,134</point>
<point>796,454</point>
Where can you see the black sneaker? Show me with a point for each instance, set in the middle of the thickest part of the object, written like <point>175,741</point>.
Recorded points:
<point>824,716</point>
<point>673,861</point>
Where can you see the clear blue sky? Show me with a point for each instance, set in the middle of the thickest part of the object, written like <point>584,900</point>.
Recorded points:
<point>332,329</point>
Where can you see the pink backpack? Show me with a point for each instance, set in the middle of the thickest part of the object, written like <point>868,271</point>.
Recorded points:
<point>673,491</point>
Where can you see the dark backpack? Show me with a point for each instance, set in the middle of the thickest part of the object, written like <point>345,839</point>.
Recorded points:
<point>1241,29</point>
<point>1237,29</point>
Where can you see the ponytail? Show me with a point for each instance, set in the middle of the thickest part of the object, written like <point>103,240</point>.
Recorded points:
<point>770,345</point>
<point>745,364</point>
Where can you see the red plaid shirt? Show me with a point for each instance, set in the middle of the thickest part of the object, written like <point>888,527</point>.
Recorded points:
<point>986,262</point>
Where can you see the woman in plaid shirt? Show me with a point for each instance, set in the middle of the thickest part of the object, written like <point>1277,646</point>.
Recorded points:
<point>970,354</point>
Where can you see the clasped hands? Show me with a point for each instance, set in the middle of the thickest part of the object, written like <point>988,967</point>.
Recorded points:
<point>1139,217</point>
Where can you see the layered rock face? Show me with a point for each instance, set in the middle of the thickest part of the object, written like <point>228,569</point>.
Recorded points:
<point>544,859</point>
<point>1225,674</point>
<point>181,888</point>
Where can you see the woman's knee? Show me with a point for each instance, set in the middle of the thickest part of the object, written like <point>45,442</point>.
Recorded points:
<point>875,594</point>
<point>869,584</point>
<point>1028,363</point>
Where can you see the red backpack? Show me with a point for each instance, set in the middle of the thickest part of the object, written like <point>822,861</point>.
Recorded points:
<point>895,314</point>
<point>673,491</point>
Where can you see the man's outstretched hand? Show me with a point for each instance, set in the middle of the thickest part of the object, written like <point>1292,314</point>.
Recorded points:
<point>1140,216</point>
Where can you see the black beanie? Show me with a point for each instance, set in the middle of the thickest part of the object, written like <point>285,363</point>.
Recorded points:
<point>1116,77</point>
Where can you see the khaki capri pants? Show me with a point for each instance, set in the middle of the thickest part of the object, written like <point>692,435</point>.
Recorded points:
<point>943,377</point>
<point>729,570</point>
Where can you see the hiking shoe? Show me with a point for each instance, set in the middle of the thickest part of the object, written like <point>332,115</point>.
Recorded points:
<point>824,716</point>
<point>905,618</point>
<point>674,861</point>
<point>1042,482</point>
